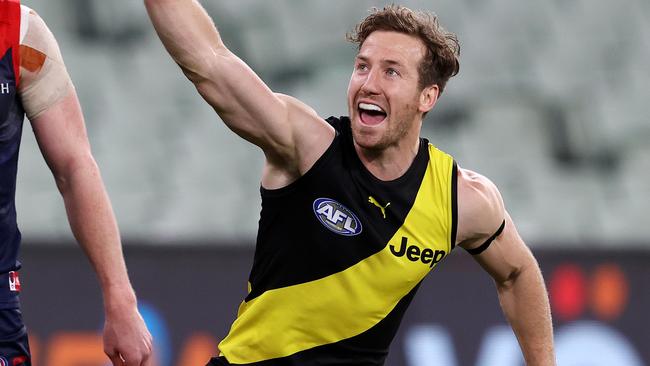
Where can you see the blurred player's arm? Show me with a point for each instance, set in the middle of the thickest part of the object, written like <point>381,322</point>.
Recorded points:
<point>519,282</point>
<point>51,105</point>
<point>289,132</point>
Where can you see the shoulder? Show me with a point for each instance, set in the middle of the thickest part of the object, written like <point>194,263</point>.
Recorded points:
<point>37,42</point>
<point>44,80</point>
<point>32,25</point>
<point>480,208</point>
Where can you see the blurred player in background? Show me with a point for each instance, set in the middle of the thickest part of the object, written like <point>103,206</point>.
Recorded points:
<point>34,81</point>
<point>355,210</point>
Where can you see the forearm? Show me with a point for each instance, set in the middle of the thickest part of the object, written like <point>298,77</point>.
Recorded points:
<point>524,301</point>
<point>188,34</point>
<point>92,221</point>
<point>94,227</point>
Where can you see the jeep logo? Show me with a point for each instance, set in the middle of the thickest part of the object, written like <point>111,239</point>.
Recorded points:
<point>414,253</point>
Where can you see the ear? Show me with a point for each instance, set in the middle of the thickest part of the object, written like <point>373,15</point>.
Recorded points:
<point>428,98</point>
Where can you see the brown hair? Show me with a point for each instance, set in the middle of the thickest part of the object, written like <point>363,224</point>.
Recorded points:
<point>442,48</point>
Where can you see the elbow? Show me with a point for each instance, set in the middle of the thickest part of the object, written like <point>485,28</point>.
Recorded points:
<point>205,88</point>
<point>521,273</point>
<point>207,81</point>
<point>194,74</point>
<point>509,279</point>
<point>69,171</point>
<point>202,67</point>
<point>62,183</point>
<point>196,67</point>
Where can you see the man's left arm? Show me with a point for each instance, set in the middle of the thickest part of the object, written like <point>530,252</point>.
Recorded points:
<point>489,233</point>
<point>62,139</point>
<point>522,293</point>
<point>53,108</point>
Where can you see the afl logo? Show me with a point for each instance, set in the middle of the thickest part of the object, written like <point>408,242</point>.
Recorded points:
<point>336,217</point>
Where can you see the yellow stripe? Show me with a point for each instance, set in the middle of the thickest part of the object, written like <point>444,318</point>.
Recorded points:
<point>284,321</point>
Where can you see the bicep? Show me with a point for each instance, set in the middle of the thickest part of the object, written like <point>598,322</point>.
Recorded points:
<point>507,256</point>
<point>487,231</point>
<point>244,102</point>
<point>49,98</point>
<point>61,135</point>
<point>290,133</point>
<point>480,210</point>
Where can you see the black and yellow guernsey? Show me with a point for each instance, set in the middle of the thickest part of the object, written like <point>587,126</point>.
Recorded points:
<point>339,256</point>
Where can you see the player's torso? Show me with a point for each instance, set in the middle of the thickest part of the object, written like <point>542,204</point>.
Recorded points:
<point>11,112</point>
<point>339,256</point>
<point>11,121</point>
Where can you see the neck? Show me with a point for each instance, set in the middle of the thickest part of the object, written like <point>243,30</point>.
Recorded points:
<point>392,162</point>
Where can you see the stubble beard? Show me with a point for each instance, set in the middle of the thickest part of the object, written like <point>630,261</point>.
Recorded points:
<point>396,130</point>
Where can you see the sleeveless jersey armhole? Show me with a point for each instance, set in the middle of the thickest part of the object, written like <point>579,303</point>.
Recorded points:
<point>298,182</point>
<point>454,204</point>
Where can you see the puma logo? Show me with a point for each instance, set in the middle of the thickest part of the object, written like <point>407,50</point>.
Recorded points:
<point>372,200</point>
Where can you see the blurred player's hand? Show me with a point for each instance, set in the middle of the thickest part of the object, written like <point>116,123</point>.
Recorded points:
<point>127,341</point>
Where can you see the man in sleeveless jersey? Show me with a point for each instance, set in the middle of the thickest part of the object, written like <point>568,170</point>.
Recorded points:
<point>34,81</point>
<point>355,210</point>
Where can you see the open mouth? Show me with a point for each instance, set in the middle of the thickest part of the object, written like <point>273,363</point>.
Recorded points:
<point>371,114</point>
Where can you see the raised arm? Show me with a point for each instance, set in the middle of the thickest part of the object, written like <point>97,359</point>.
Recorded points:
<point>51,105</point>
<point>290,133</point>
<point>487,231</point>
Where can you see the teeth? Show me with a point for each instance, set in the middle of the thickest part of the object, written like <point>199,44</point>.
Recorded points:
<point>370,107</point>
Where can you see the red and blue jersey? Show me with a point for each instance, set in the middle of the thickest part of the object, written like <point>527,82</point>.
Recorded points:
<point>11,122</point>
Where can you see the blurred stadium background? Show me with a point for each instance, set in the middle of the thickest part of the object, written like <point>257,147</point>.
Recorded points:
<point>551,103</point>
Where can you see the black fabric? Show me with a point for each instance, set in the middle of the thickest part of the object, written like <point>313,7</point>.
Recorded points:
<point>294,247</point>
<point>14,345</point>
<point>454,204</point>
<point>11,125</point>
<point>218,361</point>
<point>296,244</point>
<point>480,249</point>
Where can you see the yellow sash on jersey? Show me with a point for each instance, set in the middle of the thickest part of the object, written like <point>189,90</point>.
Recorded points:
<point>284,321</point>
